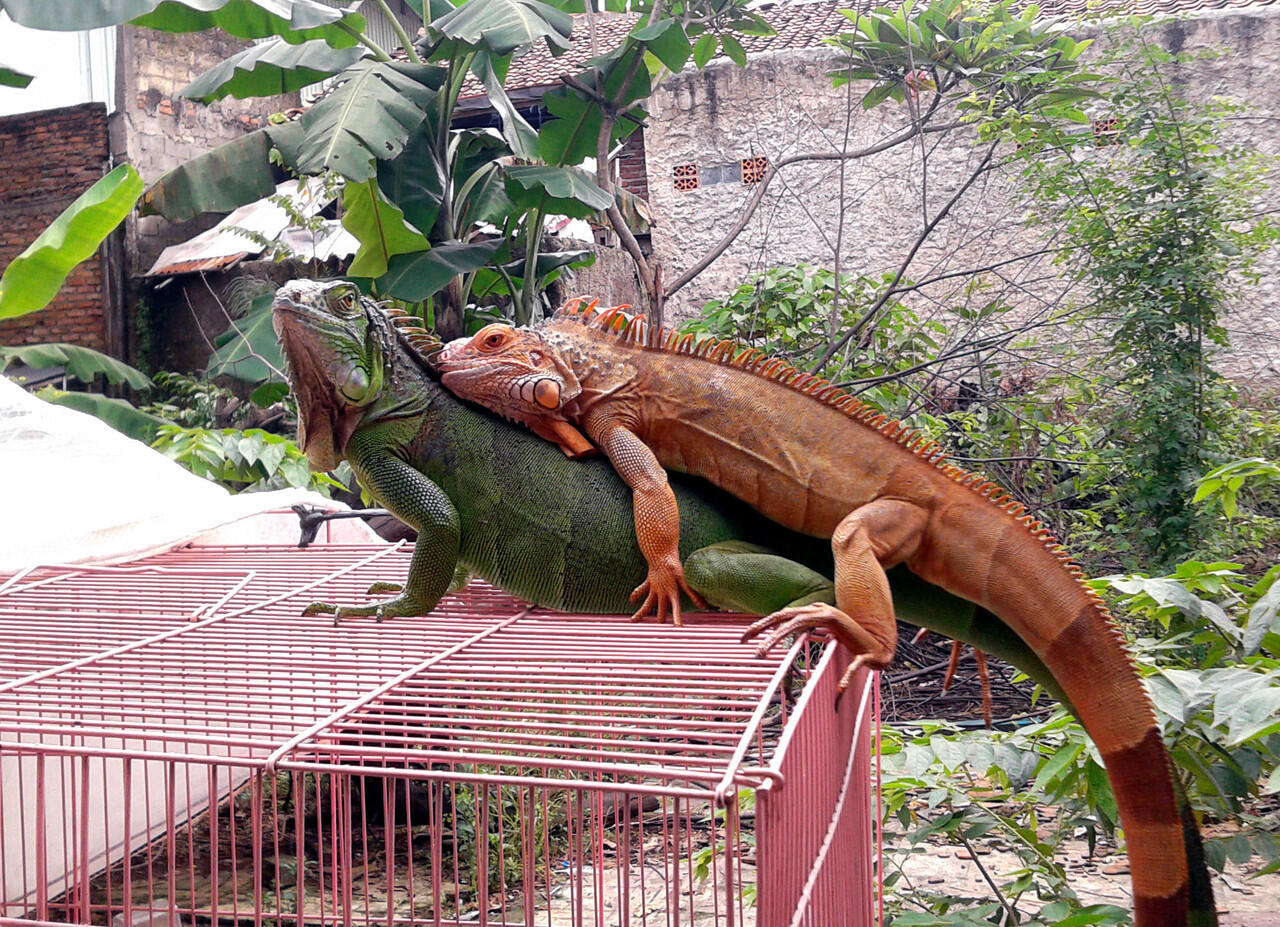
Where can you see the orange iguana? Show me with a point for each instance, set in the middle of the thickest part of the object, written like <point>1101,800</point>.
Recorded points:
<point>818,461</point>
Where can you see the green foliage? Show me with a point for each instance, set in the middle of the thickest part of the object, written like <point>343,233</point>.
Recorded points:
<point>248,350</point>
<point>789,312</point>
<point>1215,681</point>
<point>1221,486</point>
<point>1160,230</point>
<point>272,67</point>
<point>33,278</point>
<point>242,461</point>
<point>190,402</point>
<point>85,364</point>
<point>11,77</point>
<point>997,59</point>
<point>233,174</point>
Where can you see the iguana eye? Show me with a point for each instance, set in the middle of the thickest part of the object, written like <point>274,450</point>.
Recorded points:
<point>493,340</point>
<point>346,301</point>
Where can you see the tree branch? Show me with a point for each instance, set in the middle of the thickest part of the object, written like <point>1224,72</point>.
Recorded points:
<point>897,138</point>
<point>884,297</point>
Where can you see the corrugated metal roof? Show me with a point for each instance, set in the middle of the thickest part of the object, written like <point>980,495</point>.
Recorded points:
<point>247,230</point>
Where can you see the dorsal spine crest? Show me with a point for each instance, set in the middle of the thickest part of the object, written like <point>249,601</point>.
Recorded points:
<point>634,330</point>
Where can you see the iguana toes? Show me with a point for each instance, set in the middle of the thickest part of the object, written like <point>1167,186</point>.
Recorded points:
<point>816,460</point>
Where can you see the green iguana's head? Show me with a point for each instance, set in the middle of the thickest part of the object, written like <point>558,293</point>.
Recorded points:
<point>334,341</point>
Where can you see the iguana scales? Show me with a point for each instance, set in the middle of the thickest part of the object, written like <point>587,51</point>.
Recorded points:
<point>818,461</point>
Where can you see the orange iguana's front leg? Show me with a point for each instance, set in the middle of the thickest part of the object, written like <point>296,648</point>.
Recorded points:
<point>656,517</point>
<point>869,541</point>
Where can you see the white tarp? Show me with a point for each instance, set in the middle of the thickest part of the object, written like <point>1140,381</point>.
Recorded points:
<point>78,491</point>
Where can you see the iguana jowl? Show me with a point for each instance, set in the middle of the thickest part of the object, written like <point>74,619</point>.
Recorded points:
<point>818,461</point>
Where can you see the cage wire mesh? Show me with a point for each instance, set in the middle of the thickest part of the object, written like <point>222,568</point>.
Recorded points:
<point>178,745</point>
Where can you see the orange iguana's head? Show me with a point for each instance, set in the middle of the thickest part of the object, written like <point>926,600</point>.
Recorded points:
<point>513,372</point>
<point>509,370</point>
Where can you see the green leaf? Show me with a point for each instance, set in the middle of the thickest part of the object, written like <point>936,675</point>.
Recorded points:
<point>270,68</point>
<point>369,115</point>
<point>570,138</point>
<point>666,39</point>
<point>10,77</point>
<point>380,228</point>
<point>249,352</point>
<point>417,276</point>
<point>500,27</point>
<point>268,394</point>
<point>515,128</point>
<point>414,181</point>
<point>82,363</point>
<point>293,20</point>
<point>554,189</point>
<point>233,174</point>
<point>67,15</point>
<point>33,278</point>
<point>1060,760</point>
<point>733,48</point>
<point>705,49</point>
<point>1261,617</point>
<point>120,415</point>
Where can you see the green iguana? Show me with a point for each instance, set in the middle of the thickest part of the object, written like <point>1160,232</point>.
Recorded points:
<point>814,459</point>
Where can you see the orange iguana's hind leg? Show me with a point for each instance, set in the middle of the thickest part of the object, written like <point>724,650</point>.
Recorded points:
<point>871,539</point>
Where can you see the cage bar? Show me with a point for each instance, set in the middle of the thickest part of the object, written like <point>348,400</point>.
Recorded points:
<point>179,745</point>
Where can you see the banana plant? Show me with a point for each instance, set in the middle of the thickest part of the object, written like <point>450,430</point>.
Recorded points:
<point>432,204</point>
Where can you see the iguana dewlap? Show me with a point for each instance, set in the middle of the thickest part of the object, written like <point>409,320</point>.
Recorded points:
<point>813,458</point>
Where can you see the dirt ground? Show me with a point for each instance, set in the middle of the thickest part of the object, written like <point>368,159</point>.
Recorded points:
<point>1242,899</point>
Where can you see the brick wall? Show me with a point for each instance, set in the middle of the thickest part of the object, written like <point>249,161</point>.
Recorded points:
<point>47,159</point>
<point>632,173</point>
<point>155,129</point>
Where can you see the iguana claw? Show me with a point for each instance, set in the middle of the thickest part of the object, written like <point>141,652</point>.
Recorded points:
<point>661,592</point>
<point>391,608</point>
<point>817,617</point>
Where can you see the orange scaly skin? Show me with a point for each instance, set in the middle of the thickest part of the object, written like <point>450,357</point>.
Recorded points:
<point>813,458</point>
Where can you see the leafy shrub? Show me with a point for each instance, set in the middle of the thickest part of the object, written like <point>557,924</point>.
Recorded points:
<point>242,461</point>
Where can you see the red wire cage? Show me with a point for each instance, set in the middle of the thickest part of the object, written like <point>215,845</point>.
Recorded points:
<point>178,745</point>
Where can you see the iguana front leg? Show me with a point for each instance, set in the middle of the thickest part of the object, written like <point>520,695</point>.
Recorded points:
<point>656,518</point>
<point>418,502</point>
<point>869,541</point>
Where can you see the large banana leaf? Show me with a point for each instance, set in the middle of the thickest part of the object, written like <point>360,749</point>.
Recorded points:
<point>33,278</point>
<point>500,27</point>
<point>415,277</point>
<point>233,174</point>
<point>414,180</point>
<point>554,190</point>
<point>492,72</point>
<point>269,68</point>
<point>368,115</point>
<point>11,78</point>
<point>293,20</point>
<point>380,228</point>
<point>120,415</point>
<point>82,363</point>
<point>249,352</point>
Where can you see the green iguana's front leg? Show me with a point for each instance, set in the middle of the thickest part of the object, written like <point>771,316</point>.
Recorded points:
<point>417,502</point>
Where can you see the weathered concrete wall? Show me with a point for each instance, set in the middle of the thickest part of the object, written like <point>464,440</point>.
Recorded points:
<point>611,279</point>
<point>49,158</point>
<point>784,104</point>
<point>155,129</point>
